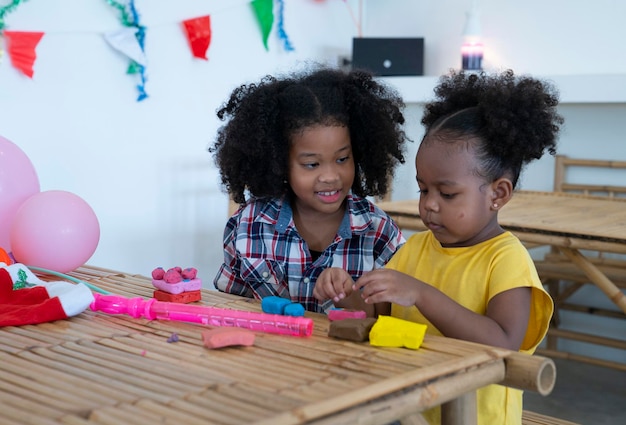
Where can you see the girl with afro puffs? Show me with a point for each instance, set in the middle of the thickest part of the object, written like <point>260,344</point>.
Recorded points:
<point>466,277</point>
<point>300,154</point>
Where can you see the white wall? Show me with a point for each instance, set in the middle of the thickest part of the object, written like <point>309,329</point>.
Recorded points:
<point>536,36</point>
<point>143,166</point>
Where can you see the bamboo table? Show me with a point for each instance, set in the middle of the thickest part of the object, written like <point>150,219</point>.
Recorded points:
<point>97,368</point>
<point>568,222</point>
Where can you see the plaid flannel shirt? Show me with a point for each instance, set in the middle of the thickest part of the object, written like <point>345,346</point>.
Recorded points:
<point>265,255</point>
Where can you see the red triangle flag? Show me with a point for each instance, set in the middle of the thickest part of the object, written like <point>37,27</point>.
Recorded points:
<point>198,32</point>
<point>21,48</point>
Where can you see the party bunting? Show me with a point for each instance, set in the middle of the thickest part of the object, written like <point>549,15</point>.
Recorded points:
<point>281,27</point>
<point>130,41</point>
<point>141,37</point>
<point>198,32</point>
<point>125,17</point>
<point>21,47</point>
<point>8,9</point>
<point>263,10</point>
<point>129,17</point>
<point>125,41</point>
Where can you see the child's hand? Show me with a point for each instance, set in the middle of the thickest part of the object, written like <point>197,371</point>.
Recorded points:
<point>333,283</point>
<point>386,285</point>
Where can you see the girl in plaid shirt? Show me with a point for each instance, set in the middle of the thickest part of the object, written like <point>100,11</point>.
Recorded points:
<point>300,154</point>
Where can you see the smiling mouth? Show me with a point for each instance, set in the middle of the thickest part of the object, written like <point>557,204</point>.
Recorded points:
<point>329,193</point>
<point>330,196</point>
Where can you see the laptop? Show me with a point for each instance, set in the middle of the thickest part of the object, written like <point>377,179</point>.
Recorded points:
<point>389,56</point>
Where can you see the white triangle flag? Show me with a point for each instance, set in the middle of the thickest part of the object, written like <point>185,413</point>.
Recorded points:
<point>124,41</point>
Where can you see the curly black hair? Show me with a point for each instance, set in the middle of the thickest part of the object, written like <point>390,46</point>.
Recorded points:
<point>511,120</point>
<point>252,148</point>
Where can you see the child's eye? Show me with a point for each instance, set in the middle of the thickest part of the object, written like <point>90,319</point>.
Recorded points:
<point>310,165</point>
<point>447,195</point>
<point>343,159</point>
<point>422,192</point>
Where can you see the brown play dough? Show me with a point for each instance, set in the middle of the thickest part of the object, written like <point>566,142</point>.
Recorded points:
<point>352,329</point>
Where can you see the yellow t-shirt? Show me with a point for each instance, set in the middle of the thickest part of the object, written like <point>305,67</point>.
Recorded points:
<point>472,276</point>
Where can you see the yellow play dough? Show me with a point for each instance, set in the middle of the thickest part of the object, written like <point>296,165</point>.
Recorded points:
<point>393,332</point>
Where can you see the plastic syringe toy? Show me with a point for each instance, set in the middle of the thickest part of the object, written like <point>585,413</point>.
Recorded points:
<point>206,315</point>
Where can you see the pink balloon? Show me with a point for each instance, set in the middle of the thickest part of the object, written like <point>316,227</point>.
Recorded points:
<point>18,181</point>
<point>54,230</point>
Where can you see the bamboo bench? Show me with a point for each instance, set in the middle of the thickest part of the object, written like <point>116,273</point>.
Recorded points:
<point>533,418</point>
<point>562,278</point>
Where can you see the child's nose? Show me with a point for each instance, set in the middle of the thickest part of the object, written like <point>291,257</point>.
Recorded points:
<point>329,174</point>
<point>430,204</point>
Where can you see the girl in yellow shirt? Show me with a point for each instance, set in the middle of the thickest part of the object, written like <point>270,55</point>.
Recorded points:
<point>466,277</point>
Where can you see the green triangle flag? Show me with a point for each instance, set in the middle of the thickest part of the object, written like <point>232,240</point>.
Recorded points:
<point>133,68</point>
<point>265,15</point>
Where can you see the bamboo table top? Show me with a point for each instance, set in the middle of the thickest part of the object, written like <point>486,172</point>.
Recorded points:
<point>567,221</point>
<point>559,219</point>
<point>97,368</point>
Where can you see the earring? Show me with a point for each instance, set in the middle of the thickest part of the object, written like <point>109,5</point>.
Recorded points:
<point>495,205</point>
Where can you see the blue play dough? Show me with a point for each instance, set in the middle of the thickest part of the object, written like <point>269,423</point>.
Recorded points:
<point>280,305</point>
<point>274,305</point>
<point>294,309</point>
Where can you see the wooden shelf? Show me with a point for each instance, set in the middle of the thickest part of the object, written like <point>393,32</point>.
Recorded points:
<point>596,88</point>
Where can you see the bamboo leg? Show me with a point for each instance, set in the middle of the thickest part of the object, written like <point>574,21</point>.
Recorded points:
<point>568,292</point>
<point>553,288</point>
<point>597,277</point>
<point>415,419</point>
<point>460,411</point>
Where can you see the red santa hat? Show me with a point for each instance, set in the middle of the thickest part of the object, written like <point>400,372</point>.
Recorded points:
<point>26,300</point>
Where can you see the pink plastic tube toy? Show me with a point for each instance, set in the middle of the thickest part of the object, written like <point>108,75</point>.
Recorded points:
<point>206,315</point>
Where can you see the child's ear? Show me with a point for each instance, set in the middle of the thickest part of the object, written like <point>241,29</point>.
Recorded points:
<point>502,191</point>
